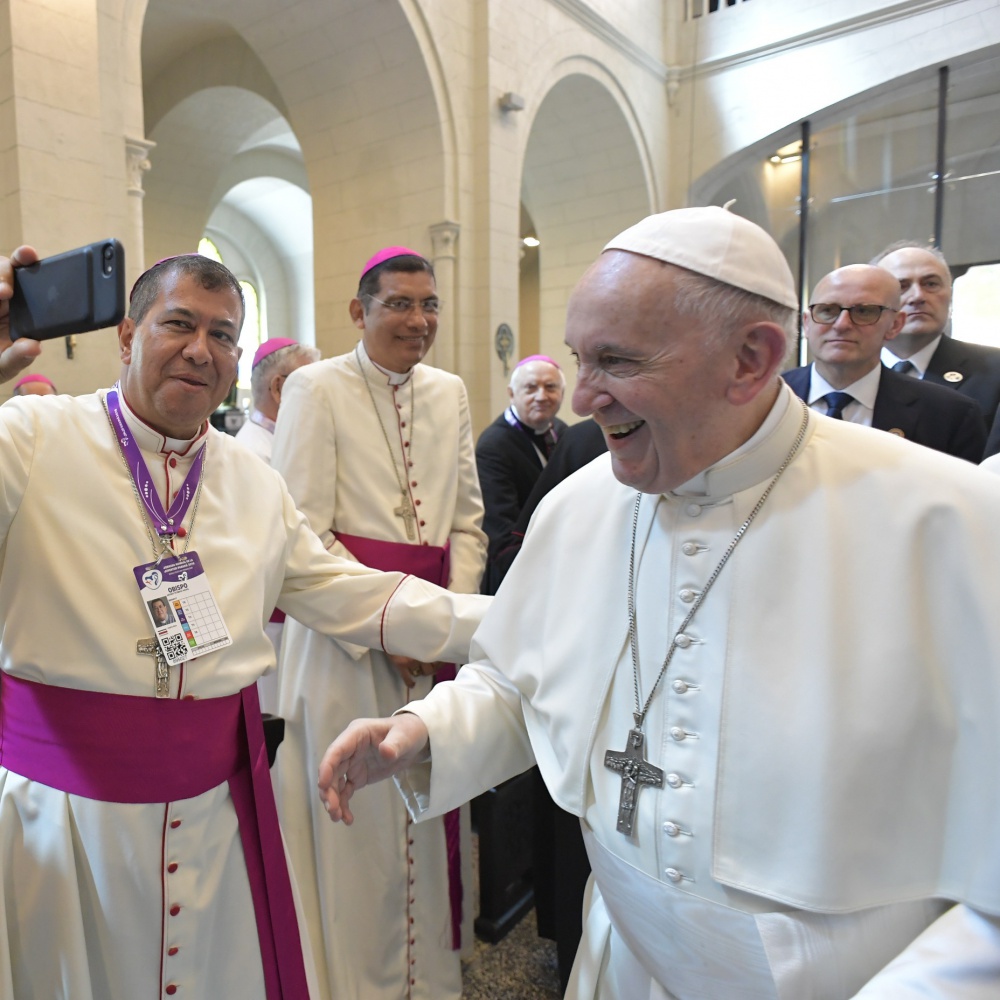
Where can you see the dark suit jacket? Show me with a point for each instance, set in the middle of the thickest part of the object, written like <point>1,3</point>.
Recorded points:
<point>508,467</point>
<point>579,444</point>
<point>918,411</point>
<point>979,367</point>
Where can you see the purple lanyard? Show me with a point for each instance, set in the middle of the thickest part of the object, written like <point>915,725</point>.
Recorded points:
<point>165,523</point>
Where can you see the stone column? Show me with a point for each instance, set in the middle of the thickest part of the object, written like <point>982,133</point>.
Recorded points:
<point>444,236</point>
<point>136,164</point>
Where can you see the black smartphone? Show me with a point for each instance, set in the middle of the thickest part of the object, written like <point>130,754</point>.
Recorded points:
<point>73,292</point>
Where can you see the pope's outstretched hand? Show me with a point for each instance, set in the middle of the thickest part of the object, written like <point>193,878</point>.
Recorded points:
<point>368,750</point>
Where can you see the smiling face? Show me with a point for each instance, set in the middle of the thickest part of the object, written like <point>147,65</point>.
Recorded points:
<point>925,297</point>
<point>397,340</point>
<point>179,360</point>
<point>536,390</point>
<point>671,396</point>
<point>843,351</point>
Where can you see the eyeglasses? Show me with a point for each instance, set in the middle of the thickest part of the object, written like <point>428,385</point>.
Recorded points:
<point>828,313</point>
<point>429,307</point>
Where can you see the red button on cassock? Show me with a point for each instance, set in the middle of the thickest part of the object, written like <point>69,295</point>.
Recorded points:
<point>172,867</point>
<point>170,990</point>
<point>174,910</point>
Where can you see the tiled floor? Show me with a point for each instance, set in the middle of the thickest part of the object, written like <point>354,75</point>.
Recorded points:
<point>521,967</point>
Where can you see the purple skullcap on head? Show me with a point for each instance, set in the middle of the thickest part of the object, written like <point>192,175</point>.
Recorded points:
<point>538,357</point>
<point>387,254</point>
<point>269,347</point>
<point>33,378</point>
<point>162,260</point>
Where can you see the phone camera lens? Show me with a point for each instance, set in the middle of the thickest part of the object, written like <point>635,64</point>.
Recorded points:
<point>109,256</point>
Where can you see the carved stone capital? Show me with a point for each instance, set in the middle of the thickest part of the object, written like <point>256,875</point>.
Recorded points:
<point>136,163</point>
<point>444,236</point>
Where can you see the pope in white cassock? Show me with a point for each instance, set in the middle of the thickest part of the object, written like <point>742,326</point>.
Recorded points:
<point>377,451</point>
<point>775,702</point>
<point>140,850</point>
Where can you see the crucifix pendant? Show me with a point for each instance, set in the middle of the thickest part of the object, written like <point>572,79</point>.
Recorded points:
<point>632,765</point>
<point>150,647</point>
<point>408,514</point>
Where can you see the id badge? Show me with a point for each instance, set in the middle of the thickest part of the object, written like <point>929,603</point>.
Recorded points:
<point>180,604</point>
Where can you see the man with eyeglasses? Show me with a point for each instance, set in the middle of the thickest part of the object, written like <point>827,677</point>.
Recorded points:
<point>854,311</point>
<point>377,450</point>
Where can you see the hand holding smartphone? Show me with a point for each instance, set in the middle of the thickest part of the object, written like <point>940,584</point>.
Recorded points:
<point>73,292</point>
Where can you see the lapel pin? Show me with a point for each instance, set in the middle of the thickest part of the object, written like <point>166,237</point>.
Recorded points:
<point>897,431</point>
<point>953,376</point>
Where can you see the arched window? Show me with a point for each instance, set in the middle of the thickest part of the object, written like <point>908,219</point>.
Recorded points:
<point>250,335</point>
<point>975,303</point>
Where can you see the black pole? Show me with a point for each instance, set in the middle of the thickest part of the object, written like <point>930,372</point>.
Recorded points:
<point>803,232</point>
<point>942,123</point>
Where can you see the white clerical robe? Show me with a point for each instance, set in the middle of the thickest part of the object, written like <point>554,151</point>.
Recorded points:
<point>827,728</point>
<point>257,434</point>
<point>105,901</point>
<point>377,892</point>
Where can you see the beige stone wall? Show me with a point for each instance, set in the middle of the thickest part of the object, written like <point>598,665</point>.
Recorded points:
<point>384,117</point>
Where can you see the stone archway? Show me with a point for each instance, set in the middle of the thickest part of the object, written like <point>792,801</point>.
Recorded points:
<point>583,182</point>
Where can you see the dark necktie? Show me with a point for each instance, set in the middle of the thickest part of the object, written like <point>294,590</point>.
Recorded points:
<point>836,401</point>
<point>905,368</point>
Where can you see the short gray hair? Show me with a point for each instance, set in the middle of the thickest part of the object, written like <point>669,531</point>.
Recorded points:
<point>515,378</point>
<point>279,362</point>
<point>724,308</point>
<point>910,245</point>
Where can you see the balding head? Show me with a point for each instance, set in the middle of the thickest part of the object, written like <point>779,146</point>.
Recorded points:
<point>925,295</point>
<point>852,312</point>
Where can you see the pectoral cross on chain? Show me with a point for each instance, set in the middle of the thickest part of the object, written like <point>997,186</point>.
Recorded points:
<point>408,514</point>
<point>150,647</point>
<point>632,765</point>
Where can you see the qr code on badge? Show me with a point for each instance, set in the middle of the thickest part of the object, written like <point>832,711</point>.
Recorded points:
<point>175,648</point>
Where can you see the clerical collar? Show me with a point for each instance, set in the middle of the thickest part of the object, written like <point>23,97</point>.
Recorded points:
<point>394,378</point>
<point>757,459</point>
<point>149,439</point>
<point>260,420</point>
<point>514,419</point>
<point>920,360</point>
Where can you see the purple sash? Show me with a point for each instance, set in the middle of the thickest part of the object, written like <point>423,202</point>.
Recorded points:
<point>433,564</point>
<point>109,747</point>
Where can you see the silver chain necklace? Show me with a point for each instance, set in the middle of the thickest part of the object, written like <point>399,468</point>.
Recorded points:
<point>405,510</point>
<point>631,762</point>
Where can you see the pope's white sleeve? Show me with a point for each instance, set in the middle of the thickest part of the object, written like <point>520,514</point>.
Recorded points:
<point>956,958</point>
<point>477,739</point>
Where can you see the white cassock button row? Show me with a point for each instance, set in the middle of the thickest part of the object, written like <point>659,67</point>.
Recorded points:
<point>673,874</point>
<point>682,640</point>
<point>693,510</point>
<point>677,734</point>
<point>671,829</point>
<point>689,548</point>
<point>687,596</point>
<point>674,780</point>
<point>680,686</point>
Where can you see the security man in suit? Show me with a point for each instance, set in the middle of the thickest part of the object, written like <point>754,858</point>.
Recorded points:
<point>513,450</point>
<point>925,348</point>
<point>853,312</point>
